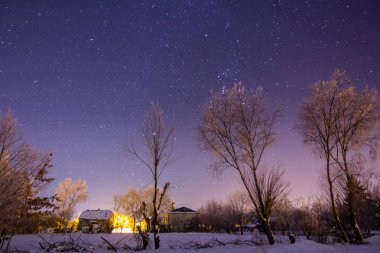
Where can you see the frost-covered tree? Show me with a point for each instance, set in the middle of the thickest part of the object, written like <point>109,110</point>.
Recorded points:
<point>317,115</point>
<point>23,177</point>
<point>237,129</point>
<point>70,193</point>
<point>341,123</point>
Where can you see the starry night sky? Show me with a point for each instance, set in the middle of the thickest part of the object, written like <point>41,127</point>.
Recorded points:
<point>79,76</point>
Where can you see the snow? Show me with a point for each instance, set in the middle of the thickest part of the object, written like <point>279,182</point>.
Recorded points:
<point>176,242</point>
<point>96,214</point>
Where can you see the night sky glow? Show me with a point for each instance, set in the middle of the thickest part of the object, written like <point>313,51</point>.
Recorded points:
<point>79,76</point>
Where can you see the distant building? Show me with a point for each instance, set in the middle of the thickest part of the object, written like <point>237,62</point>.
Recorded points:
<point>95,221</point>
<point>180,220</point>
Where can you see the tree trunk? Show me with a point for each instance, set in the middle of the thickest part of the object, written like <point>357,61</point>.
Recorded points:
<point>155,229</point>
<point>358,233</point>
<point>352,209</point>
<point>338,223</point>
<point>155,215</point>
<point>148,225</point>
<point>259,207</point>
<point>268,231</point>
<point>156,238</point>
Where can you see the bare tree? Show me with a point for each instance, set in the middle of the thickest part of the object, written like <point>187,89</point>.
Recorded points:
<point>317,115</point>
<point>131,203</point>
<point>23,173</point>
<point>70,193</point>
<point>312,217</point>
<point>158,139</point>
<point>214,217</point>
<point>338,122</point>
<point>238,205</point>
<point>282,212</point>
<point>237,129</point>
<point>355,129</point>
<point>116,202</point>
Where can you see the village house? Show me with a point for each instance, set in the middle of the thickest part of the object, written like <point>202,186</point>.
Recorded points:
<point>180,220</point>
<point>95,221</point>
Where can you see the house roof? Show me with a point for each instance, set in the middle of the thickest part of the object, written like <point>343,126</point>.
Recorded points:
<point>96,214</point>
<point>183,210</point>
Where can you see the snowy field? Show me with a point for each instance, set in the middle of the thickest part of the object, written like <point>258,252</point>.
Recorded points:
<point>191,242</point>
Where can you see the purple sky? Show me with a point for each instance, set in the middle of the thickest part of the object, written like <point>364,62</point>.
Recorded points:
<point>79,76</point>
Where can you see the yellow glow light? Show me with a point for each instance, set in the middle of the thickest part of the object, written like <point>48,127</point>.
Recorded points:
<point>125,224</point>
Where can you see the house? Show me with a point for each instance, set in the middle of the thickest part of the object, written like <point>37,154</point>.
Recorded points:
<point>180,220</point>
<point>95,221</point>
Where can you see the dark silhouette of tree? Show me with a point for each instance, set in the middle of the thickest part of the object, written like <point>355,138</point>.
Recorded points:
<point>158,139</point>
<point>238,206</point>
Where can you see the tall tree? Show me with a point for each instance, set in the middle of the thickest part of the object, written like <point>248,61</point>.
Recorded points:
<point>355,130</point>
<point>70,193</point>
<point>340,123</point>
<point>158,140</point>
<point>317,116</point>
<point>23,172</point>
<point>237,129</point>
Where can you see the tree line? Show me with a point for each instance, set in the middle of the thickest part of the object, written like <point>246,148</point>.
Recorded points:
<point>312,218</point>
<point>339,122</point>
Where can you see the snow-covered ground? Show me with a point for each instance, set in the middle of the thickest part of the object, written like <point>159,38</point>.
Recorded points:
<point>187,242</point>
